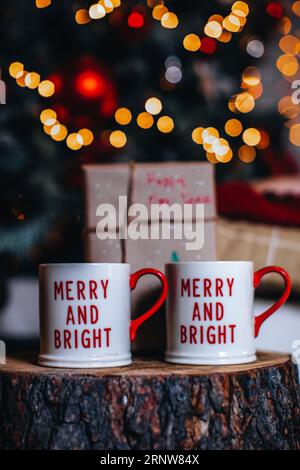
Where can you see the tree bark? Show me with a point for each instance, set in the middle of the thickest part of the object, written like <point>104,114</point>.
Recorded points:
<point>151,405</point>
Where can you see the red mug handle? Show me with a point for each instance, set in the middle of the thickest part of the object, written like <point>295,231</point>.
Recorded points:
<point>137,322</point>
<point>287,290</point>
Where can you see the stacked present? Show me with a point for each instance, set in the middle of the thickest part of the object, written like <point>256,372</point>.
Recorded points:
<point>146,185</point>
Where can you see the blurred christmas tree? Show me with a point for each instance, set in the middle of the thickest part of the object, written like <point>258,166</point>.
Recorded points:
<point>120,59</point>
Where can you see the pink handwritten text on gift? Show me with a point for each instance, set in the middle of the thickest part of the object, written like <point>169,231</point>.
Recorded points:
<point>207,317</point>
<point>173,183</point>
<point>83,316</point>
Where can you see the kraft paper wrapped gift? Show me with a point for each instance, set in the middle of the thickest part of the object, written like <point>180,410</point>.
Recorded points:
<point>265,245</point>
<point>186,183</point>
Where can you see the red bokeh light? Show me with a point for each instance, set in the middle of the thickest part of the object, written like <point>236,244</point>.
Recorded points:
<point>208,45</point>
<point>275,9</point>
<point>135,20</point>
<point>90,84</point>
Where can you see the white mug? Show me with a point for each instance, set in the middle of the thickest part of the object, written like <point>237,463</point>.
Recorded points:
<point>85,316</point>
<point>210,311</point>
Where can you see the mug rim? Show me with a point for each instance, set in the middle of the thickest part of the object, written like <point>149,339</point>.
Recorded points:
<point>43,265</point>
<point>207,262</point>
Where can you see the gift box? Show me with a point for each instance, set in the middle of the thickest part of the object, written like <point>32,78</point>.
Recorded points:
<point>265,245</point>
<point>183,184</point>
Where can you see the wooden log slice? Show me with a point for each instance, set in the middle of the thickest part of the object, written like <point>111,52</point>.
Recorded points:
<point>151,405</point>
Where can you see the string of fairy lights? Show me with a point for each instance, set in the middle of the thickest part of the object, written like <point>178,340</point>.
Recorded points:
<point>217,28</point>
<point>288,65</point>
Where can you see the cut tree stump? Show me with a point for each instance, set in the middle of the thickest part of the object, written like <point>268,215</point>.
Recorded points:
<point>151,405</point>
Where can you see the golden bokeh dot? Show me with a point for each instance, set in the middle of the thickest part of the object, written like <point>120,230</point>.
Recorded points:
<point>289,44</point>
<point>197,135</point>
<point>256,91</point>
<point>264,140</point>
<point>118,139</point>
<point>47,129</point>
<point>169,20</point>
<point>216,17</point>
<point>16,68</point>
<point>165,124</point>
<point>240,9</point>
<point>296,7</point>
<point>244,102</point>
<point>287,108</point>
<point>251,76</point>
<point>107,4</point>
<point>220,147</point>
<point>153,106</point>
<point>191,42</point>
<point>42,3</point>
<point>210,131</point>
<point>87,136</point>
<point>213,29</point>
<point>48,117</point>
<point>247,154</point>
<point>58,132</point>
<point>21,78</point>
<point>46,88</point>
<point>286,25</point>
<point>74,141</point>
<point>287,65</point>
<point>97,11</point>
<point>232,23</point>
<point>32,80</point>
<point>123,116</point>
<point>225,36</point>
<point>211,157</point>
<point>159,11</point>
<point>82,16</point>
<point>145,120</point>
<point>225,158</point>
<point>116,3</point>
<point>251,136</point>
<point>295,134</point>
<point>233,127</point>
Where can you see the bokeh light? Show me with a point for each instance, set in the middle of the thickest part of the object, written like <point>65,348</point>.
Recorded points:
<point>48,117</point>
<point>255,48</point>
<point>15,69</point>
<point>123,116</point>
<point>247,154</point>
<point>82,16</point>
<point>165,124</point>
<point>287,64</point>
<point>244,102</point>
<point>74,141</point>
<point>233,127</point>
<point>213,29</point>
<point>145,120</point>
<point>46,88</point>
<point>251,76</point>
<point>97,11</point>
<point>169,20</point>
<point>191,42</point>
<point>32,80</point>
<point>58,132</point>
<point>153,106</point>
<point>295,135</point>
<point>118,139</point>
<point>197,135</point>
<point>87,136</point>
<point>251,136</point>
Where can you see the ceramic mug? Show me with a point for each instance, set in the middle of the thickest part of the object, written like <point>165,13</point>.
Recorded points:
<point>85,316</point>
<point>210,311</point>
